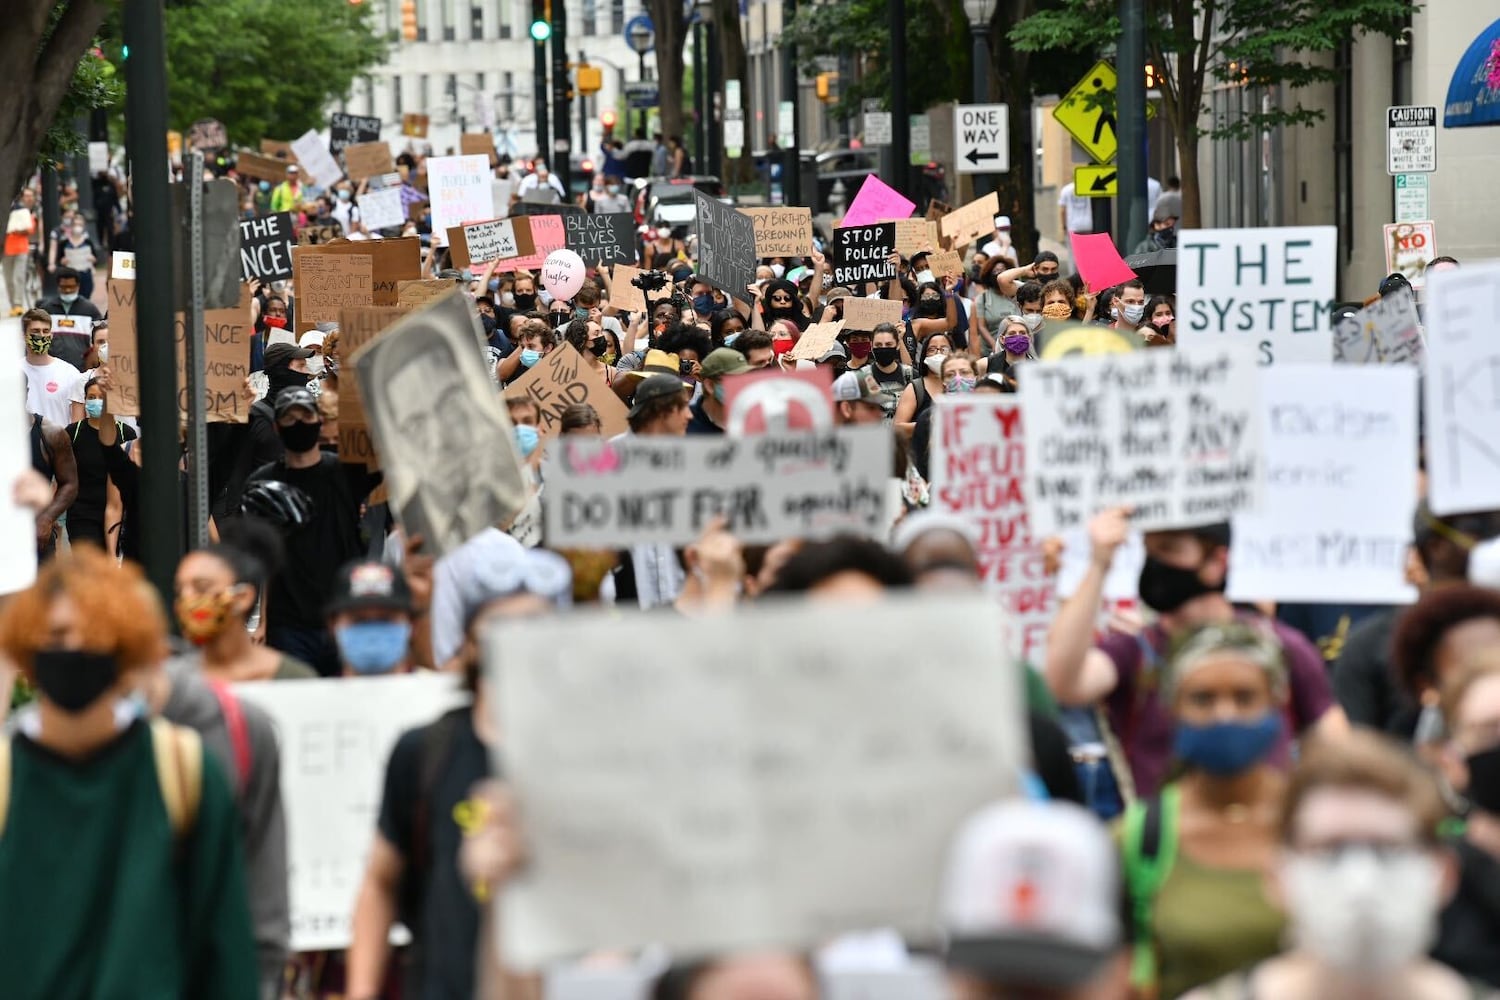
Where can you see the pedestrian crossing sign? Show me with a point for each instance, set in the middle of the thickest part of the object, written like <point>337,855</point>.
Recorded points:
<point>1088,112</point>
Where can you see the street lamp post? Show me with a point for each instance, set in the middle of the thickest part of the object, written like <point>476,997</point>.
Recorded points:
<point>979,13</point>
<point>641,38</point>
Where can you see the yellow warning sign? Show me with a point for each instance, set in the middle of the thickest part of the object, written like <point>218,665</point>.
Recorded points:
<point>1097,180</point>
<point>1088,112</point>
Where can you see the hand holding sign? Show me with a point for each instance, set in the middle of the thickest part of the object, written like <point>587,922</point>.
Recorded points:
<point>563,274</point>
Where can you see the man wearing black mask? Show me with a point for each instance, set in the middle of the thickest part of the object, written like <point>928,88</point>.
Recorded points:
<point>315,549</point>
<point>233,456</point>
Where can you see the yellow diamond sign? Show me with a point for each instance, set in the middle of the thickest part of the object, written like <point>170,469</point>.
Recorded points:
<point>1088,112</point>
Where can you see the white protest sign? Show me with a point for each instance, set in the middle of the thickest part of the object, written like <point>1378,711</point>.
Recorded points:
<point>1171,434</point>
<point>122,265</point>
<point>1272,288</point>
<point>639,490</point>
<point>1386,332</point>
<point>1409,248</point>
<point>318,165</point>
<point>382,209</point>
<point>17,523</point>
<point>1340,447</point>
<point>459,187</point>
<point>335,737</point>
<point>1461,397</point>
<point>493,240</point>
<point>792,786</point>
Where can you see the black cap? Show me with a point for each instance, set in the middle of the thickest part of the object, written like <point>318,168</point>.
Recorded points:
<point>282,354</point>
<point>370,585</point>
<point>294,396</point>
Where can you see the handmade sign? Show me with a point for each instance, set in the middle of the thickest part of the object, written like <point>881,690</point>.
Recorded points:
<point>357,327</point>
<point>563,378</point>
<point>414,125</point>
<point>977,218</point>
<point>1386,332</point>
<point>603,238</point>
<point>459,187</point>
<point>483,242</point>
<point>422,291</point>
<point>381,209</point>
<point>391,262</point>
<point>623,293</point>
<point>266,247</point>
<point>1460,403</point>
<point>1409,248</point>
<point>781,232</point>
<point>345,130</point>
<point>318,165</point>
<point>876,201</point>
<point>1099,262</point>
<point>726,246</point>
<point>817,340</point>
<point>547,235</point>
<point>363,160</point>
<point>262,168</point>
<point>328,283</point>
<point>865,314</point>
<point>863,253</point>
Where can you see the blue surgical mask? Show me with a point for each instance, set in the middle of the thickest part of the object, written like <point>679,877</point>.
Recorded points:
<point>93,408</point>
<point>494,284</point>
<point>343,195</point>
<point>373,647</point>
<point>265,185</point>
<point>527,438</point>
<point>729,340</point>
<point>530,357</point>
<point>69,299</point>
<point>718,392</point>
<point>1224,749</point>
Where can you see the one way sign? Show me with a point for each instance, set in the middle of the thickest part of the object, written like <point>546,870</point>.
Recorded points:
<point>982,138</point>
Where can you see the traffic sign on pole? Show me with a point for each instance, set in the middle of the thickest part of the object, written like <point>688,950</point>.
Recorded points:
<point>877,125</point>
<point>1097,180</point>
<point>1411,140</point>
<point>1088,112</point>
<point>1411,198</point>
<point>981,138</point>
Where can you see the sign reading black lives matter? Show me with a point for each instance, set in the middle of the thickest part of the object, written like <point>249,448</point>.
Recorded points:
<point>350,130</point>
<point>863,253</point>
<point>266,247</point>
<point>726,246</point>
<point>607,238</point>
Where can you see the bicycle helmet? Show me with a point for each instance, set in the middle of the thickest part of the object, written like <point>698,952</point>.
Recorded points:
<point>278,503</point>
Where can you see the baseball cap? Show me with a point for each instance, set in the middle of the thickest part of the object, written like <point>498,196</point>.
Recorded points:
<point>835,293</point>
<point>283,353</point>
<point>723,361</point>
<point>654,387</point>
<point>369,585</point>
<point>857,387</point>
<point>292,168</point>
<point>293,397</point>
<point>1002,222</point>
<point>836,350</point>
<point>311,339</point>
<point>1032,895</point>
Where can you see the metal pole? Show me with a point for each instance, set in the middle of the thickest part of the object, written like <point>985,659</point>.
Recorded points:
<point>51,219</point>
<point>900,114</point>
<point>791,174</point>
<point>642,118</point>
<point>1131,116</point>
<point>711,101</point>
<point>981,60</point>
<point>151,222</point>
<point>192,360</point>
<point>539,93</point>
<point>583,117</point>
<point>700,147</point>
<point>562,124</point>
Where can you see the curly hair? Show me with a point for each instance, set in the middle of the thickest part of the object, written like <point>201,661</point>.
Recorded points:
<point>819,561</point>
<point>1421,629</point>
<point>118,610</point>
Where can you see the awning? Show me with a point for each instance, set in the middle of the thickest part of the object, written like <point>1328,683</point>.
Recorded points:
<point>1474,92</point>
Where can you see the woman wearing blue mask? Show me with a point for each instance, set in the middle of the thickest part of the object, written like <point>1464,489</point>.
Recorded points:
<point>1195,856</point>
<point>87,515</point>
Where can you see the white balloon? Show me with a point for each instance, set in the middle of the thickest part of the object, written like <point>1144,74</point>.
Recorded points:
<point>563,273</point>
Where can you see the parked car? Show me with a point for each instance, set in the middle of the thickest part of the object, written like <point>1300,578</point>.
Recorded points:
<point>668,201</point>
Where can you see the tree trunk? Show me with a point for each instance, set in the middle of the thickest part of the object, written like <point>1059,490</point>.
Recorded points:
<point>671,35</point>
<point>37,78</point>
<point>735,67</point>
<point>1008,80</point>
<point>1192,195</point>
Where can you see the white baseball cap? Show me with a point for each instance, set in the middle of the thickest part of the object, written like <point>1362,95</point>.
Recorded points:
<point>1032,895</point>
<point>1002,222</point>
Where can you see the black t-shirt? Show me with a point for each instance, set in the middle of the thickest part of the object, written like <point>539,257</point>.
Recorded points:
<point>433,769</point>
<point>1469,939</point>
<point>316,550</point>
<point>701,422</point>
<point>93,476</point>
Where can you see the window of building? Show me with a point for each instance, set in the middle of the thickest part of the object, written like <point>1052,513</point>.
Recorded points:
<point>616,16</point>
<point>424,96</point>
<point>508,96</point>
<point>476,23</point>
<point>396,96</point>
<point>370,96</point>
<point>504,12</point>
<point>590,18</point>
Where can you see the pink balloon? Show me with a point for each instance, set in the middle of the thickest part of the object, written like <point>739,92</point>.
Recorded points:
<point>563,273</point>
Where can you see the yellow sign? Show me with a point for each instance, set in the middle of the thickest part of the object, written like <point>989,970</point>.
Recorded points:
<point>1088,112</point>
<point>1097,180</point>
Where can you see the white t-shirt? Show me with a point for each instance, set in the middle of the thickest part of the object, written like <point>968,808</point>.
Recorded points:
<point>50,388</point>
<point>1080,210</point>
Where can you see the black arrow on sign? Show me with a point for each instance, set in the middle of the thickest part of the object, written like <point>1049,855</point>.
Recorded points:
<point>1103,181</point>
<point>974,156</point>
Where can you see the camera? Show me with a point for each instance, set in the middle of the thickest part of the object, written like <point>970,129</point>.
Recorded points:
<point>650,281</point>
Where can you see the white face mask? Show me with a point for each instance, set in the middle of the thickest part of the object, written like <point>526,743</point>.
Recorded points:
<point>1033,321</point>
<point>934,363</point>
<point>1133,313</point>
<point>923,277</point>
<point>315,365</point>
<point>643,345</point>
<point>778,270</point>
<point>1342,911</point>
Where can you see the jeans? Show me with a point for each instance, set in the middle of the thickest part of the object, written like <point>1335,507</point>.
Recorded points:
<point>313,646</point>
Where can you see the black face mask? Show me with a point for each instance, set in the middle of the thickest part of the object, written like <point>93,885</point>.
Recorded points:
<point>1484,780</point>
<point>1165,588</point>
<point>885,356</point>
<point>599,348</point>
<point>73,679</point>
<point>300,436</point>
<point>525,303</point>
<point>930,307</point>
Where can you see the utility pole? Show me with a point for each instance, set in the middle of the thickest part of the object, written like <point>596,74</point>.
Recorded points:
<point>562,127</point>
<point>711,101</point>
<point>900,114</point>
<point>1131,115</point>
<point>791,174</point>
<point>539,35</point>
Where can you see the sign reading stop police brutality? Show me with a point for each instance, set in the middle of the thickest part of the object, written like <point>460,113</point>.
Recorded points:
<point>1411,140</point>
<point>1270,288</point>
<point>863,253</point>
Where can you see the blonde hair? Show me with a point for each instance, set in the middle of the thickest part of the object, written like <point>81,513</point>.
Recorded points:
<point>1237,639</point>
<point>1365,761</point>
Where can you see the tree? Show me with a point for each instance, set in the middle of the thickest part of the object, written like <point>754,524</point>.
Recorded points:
<point>671,35</point>
<point>726,22</point>
<point>1266,44</point>
<point>43,48</point>
<point>266,68</point>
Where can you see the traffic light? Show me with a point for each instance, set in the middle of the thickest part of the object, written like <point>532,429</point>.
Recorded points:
<point>825,82</point>
<point>590,79</point>
<point>409,20</point>
<point>541,20</point>
<point>607,119</point>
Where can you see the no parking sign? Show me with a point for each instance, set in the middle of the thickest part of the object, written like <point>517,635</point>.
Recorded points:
<point>1409,248</point>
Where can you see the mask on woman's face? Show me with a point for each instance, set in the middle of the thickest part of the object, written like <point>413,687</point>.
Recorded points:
<point>923,277</point>
<point>778,270</point>
<point>73,679</point>
<point>1056,310</point>
<point>960,383</point>
<point>1017,344</point>
<point>1342,909</point>
<point>1032,321</point>
<point>1162,322</point>
<point>203,617</point>
<point>1164,588</point>
<point>930,305</point>
<point>93,408</point>
<point>1224,749</point>
<point>859,349</point>
<point>934,363</point>
<point>886,356</point>
<point>344,195</point>
<point>373,647</point>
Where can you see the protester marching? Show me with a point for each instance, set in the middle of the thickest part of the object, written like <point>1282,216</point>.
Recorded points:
<point>765,605</point>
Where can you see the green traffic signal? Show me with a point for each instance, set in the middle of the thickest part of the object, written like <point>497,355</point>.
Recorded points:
<point>541,30</point>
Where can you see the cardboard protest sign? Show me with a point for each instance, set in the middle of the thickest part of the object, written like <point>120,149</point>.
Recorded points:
<point>914,235</point>
<point>724,829</point>
<point>345,130</point>
<point>1271,288</point>
<point>602,238</point>
<point>1409,248</point>
<point>625,296</point>
<point>547,235</point>
<point>866,314</point>
<point>862,253</point>
<point>414,125</point>
<point>328,283</point>
<point>477,144</point>
<point>977,218</point>
<point>563,378</point>
<point>262,168</point>
<point>1331,436</point>
<point>726,246</point>
<point>422,291</point>
<point>334,737</point>
<point>357,327</point>
<point>460,190</point>
<point>124,348</point>
<point>266,247</point>
<point>817,340</point>
<point>318,165</point>
<point>779,402</point>
<point>382,209</point>
<point>391,262</point>
<point>875,202</point>
<point>312,235</point>
<point>945,264</point>
<point>1385,332</point>
<point>17,523</point>
<point>207,134</point>
<point>482,242</point>
<point>644,490</point>
<point>278,149</point>
<point>1171,434</point>
<point>368,159</point>
<point>782,231</point>
<point>122,264</point>
<point>1460,406</point>
<point>1098,261</point>
<point>445,441</point>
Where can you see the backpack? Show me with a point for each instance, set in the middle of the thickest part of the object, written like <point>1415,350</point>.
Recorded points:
<point>239,733</point>
<point>178,753</point>
<point>1149,846</point>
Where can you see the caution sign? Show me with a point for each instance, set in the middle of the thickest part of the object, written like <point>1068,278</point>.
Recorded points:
<point>1097,180</point>
<point>1088,113</point>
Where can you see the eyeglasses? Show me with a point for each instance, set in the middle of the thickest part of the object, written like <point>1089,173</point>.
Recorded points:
<point>781,298</point>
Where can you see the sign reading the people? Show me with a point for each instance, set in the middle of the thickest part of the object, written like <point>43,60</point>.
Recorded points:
<point>667,490</point>
<point>863,253</point>
<point>660,807</point>
<point>726,246</point>
<point>1173,435</point>
<point>266,246</point>
<point>1460,400</point>
<point>603,238</point>
<point>1331,436</point>
<point>345,130</point>
<point>1271,288</point>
